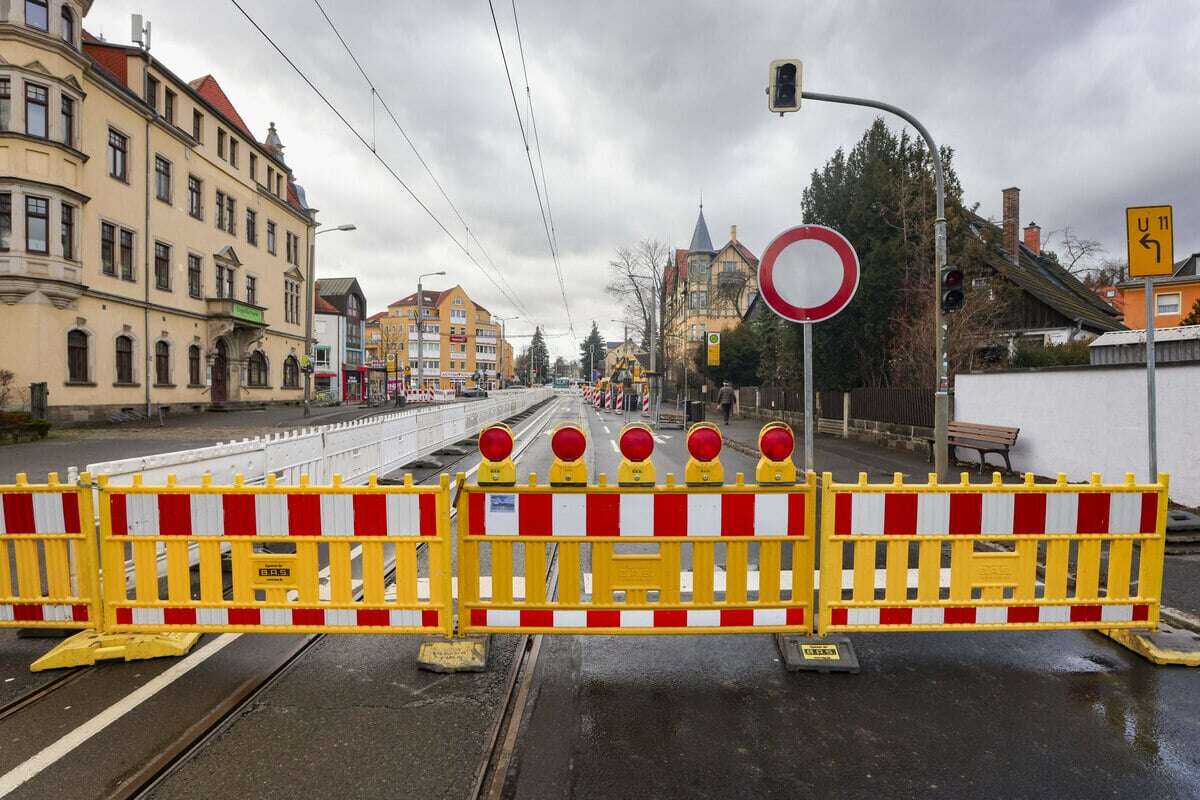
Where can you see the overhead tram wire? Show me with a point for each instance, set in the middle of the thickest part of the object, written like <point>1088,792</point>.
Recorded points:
<point>366,144</point>
<point>562,288</point>
<point>375,95</point>
<point>537,142</point>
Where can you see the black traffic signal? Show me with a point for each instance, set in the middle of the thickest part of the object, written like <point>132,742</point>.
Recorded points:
<point>952,288</point>
<point>784,91</point>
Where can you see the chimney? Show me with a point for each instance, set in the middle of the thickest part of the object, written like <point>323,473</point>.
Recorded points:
<point>1012,213</point>
<point>733,233</point>
<point>1033,237</point>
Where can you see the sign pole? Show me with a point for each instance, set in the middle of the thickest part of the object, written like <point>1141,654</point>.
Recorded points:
<point>1151,402</point>
<point>808,397</point>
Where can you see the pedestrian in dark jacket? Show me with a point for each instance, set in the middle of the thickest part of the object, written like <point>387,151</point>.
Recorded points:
<point>725,399</point>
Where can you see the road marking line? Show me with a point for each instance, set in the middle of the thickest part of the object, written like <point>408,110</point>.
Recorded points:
<point>606,430</point>
<point>614,446</point>
<point>660,440</point>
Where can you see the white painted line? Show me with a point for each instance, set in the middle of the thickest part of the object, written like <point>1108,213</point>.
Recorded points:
<point>31,767</point>
<point>606,430</point>
<point>614,446</point>
<point>660,440</point>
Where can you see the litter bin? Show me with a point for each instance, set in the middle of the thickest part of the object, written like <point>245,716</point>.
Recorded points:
<point>695,411</point>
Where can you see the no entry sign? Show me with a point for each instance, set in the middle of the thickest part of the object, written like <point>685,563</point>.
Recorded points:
<point>808,273</point>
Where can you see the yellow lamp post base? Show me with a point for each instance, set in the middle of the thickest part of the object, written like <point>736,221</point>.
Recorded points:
<point>85,648</point>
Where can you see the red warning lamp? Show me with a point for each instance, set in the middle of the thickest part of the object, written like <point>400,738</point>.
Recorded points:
<point>568,443</point>
<point>704,444</point>
<point>637,443</point>
<point>496,443</point>
<point>777,443</point>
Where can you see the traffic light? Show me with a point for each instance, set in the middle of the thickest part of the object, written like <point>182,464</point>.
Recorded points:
<point>783,95</point>
<point>952,288</point>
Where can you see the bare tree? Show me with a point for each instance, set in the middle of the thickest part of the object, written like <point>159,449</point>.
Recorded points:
<point>1077,255</point>
<point>636,280</point>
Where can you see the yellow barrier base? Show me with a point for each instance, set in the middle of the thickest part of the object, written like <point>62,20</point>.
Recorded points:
<point>460,654</point>
<point>84,649</point>
<point>1168,646</point>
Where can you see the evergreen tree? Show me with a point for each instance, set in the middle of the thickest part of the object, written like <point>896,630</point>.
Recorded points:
<point>540,356</point>
<point>592,352</point>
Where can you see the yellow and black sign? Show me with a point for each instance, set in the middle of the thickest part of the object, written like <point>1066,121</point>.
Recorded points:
<point>714,349</point>
<point>820,652</point>
<point>1150,234</point>
<point>270,571</point>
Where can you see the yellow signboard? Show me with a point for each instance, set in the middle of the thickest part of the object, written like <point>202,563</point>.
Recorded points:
<point>714,349</point>
<point>271,571</point>
<point>1150,234</point>
<point>820,652</point>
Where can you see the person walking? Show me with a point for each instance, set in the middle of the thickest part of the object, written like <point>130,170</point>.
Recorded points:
<point>725,399</point>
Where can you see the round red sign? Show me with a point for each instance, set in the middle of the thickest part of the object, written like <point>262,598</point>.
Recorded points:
<point>808,273</point>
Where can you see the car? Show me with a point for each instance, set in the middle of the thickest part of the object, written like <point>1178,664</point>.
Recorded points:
<point>474,391</point>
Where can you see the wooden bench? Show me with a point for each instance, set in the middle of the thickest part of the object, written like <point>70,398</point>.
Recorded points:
<point>981,438</point>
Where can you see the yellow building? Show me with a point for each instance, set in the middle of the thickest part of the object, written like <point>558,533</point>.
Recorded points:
<point>461,343</point>
<point>153,253</point>
<point>704,289</point>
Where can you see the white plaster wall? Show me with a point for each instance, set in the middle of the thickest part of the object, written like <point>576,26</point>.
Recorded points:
<point>1093,419</point>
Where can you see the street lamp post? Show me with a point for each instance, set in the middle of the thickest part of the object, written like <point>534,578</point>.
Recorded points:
<point>421,330</point>
<point>308,334</point>
<point>500,354</point>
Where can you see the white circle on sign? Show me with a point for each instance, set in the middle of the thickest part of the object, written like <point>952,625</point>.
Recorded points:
<point>808,273</point>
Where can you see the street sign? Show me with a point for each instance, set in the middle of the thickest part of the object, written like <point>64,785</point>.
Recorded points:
<point>808,273</point>
<point>1150,237</point>
<point>714,349</point>
<point>391,358</point>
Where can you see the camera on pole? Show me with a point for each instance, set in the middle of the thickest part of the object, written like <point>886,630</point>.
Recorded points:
<point>783,94</point>
<point>952,288</point>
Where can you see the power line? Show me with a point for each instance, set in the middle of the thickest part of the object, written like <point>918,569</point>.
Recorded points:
<point>562,288</point>
<point>375,95</point>
<point>537,142</point>
<point>365,144</point>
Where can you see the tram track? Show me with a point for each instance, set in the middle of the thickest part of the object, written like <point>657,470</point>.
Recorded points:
<point>144,781</point>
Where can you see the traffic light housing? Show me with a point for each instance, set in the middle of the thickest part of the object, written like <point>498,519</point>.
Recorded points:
<point>783,93</point>
<point>951,281</point>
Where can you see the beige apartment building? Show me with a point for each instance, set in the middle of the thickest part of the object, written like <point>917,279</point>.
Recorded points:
<point>153,252</point>
<point>704,289</point>
<point>460,340</point>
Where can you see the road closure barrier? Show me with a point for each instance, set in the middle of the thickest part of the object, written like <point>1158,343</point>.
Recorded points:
<point>991,557</point>
<point>290,551</point>
<point>48,574</point>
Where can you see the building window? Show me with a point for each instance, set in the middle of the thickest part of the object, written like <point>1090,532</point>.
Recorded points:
<point>252,290</point>
<point>68,232</point>
<point>220,143</point>
<point>195,197</point>
<point>118,151</point>
<point>193,275</point>
<point>194,365</point>
<point>321,356</point>
<point>108,246</point>
<point>169,106</point>
<point>257,369</point>
<point>5,220</point>
<point>5,103</point>
<point>226,209</point>
<point>68,121</point>
<point>37,15</point>
<point>270,179</point>
<point>152,91</point>
<point>252,226</point>
<point>224,281</point>
<point>77,357</point>
<point>197,126</point>
<point>233,151</point>
<point>1166,303</point>
<point>253,167</point>
<point>291,373</point>
<point>162,266</point>
<point>67,31</point>
<point>293,249</point>
<point>35,110</point>
<point>162,364</point>
<point>126,254</point>
<point>162,179</point>
<point>124,359</point>
<point>291,301</point>
<point>37,225</point>
<point>279,184</point>
<point>270,237</point>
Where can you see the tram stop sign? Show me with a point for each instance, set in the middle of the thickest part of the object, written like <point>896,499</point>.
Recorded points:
<point>808,273</point>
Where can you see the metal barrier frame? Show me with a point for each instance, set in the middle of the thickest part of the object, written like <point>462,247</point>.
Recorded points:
<point>992,573</point>
<point>635,573</point>
<point>287,583</point>
<point>71,595</point>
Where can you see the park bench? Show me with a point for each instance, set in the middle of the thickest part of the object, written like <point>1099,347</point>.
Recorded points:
<point>983,439</point>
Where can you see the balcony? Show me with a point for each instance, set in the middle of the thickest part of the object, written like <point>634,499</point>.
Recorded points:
<point>243,315</point>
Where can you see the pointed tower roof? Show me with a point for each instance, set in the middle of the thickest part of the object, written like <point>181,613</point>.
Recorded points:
<point>273,143</point>
<point>701,242</point>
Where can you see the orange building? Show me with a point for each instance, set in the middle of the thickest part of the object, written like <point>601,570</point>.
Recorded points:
<point>1174,297</point>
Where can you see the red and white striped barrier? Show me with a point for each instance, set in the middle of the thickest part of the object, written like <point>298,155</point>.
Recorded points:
<point>620,404</point>
<point>291,514</point>
<point>39,512</point>
<point>636,618</point>
<point>960,513</point>
<point>232,617</point>
<point>646,402</point>
<point>990,616</point>
<point>667,514</point>
<point>43,612</point>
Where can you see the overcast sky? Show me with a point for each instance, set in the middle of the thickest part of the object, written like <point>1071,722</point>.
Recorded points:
<point>1088,107</point>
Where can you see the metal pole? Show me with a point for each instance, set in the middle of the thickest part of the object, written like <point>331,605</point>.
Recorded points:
<point>1151,401</point>
<point>808,398</point>
<point>420,343</point>
<point>941,400</point>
